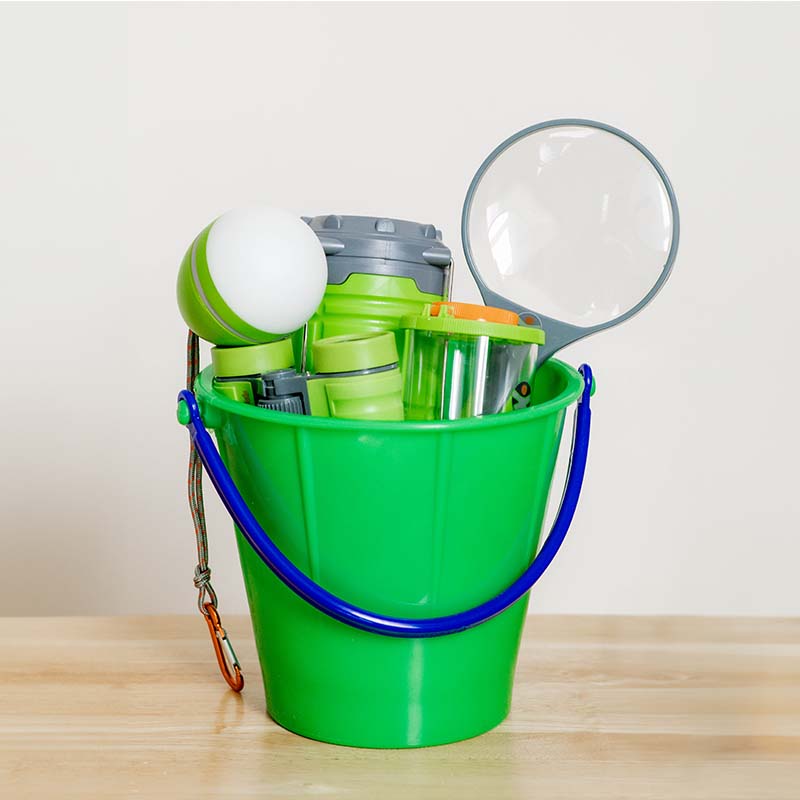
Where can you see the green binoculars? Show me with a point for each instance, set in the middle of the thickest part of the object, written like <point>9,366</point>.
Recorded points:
<point>357,377</point>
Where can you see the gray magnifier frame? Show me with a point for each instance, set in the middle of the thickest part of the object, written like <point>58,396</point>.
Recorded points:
<point>560,333</point>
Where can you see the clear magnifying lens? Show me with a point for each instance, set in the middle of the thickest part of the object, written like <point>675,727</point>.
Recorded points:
<point>572,221</point>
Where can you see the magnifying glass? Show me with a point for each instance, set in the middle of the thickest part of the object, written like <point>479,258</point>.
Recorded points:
<point>573,225</point>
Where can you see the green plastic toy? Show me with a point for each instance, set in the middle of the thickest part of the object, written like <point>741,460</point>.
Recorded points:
<point>387,564</point>
<point>379,270</point>
<point>464,360</point>
<point>252,276</point>
<point>414,519</point>
<point>238,370</point>
<point>358,377</point>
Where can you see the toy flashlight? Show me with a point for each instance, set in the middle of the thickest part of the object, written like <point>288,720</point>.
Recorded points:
<point>252,276</point>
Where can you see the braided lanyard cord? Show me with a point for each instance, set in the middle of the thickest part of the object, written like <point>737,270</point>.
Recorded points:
<point>207,597</point>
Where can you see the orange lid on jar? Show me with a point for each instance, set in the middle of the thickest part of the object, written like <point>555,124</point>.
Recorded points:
<point>474,312</point>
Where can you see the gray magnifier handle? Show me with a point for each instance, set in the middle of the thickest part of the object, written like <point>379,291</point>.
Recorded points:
<point>573,225</point>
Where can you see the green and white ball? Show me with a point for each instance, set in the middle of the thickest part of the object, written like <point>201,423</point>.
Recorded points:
<point>252,276</point>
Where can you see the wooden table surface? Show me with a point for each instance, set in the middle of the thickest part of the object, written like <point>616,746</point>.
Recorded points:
<point>604,707</point>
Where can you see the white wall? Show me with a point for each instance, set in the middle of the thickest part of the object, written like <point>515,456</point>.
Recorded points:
<point>124,130</point>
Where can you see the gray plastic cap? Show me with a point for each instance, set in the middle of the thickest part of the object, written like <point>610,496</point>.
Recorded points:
<point>382,246</point>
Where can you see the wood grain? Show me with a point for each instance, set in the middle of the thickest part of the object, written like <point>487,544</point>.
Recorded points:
<point>604,708</point>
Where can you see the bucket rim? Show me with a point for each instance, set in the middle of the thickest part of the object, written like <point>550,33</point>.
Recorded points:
<point>207,396</point>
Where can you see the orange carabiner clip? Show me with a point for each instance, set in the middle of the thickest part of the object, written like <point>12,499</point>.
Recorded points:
<point>226,658</point>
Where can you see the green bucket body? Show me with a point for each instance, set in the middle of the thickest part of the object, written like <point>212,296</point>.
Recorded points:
<point>406,519</point>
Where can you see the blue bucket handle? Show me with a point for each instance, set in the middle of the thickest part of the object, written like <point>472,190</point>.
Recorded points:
<point>360,618</point>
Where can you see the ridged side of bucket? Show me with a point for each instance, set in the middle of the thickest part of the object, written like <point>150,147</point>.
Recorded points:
<point>414,520</point>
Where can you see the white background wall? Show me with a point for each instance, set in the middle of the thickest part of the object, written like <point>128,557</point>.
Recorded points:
<point>125,130</point>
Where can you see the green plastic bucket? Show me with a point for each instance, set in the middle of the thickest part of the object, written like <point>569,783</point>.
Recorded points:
<point>412,519</point>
